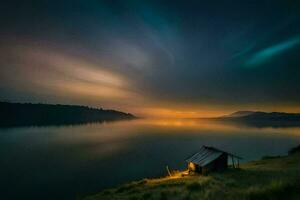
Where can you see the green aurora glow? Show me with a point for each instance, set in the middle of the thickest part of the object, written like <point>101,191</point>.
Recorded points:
<point>275,50</point>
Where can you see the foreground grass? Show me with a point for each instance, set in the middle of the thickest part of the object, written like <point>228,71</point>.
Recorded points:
<point>268,179</point>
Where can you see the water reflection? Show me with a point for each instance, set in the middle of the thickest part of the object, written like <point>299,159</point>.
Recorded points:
<point>259,123</point>
<point>67,161</point>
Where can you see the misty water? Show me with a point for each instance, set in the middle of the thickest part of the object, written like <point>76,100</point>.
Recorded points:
<point>67,162</point>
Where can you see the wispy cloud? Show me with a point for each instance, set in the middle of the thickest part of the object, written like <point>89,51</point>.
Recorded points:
<point>45,71</point>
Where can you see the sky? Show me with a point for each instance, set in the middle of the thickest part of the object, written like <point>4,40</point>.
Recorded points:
<point>153,58</point>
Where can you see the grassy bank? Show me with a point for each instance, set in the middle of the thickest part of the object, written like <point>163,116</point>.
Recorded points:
<point>270,178</point>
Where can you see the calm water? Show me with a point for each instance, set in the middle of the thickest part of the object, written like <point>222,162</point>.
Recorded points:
<point>70,161</point>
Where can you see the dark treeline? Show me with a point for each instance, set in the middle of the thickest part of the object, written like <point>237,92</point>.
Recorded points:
<point>27,114</point>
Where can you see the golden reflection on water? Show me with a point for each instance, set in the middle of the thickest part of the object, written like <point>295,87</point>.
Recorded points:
<point>111,138</point>
<point>114,135</point>
<point>210,125</point>
<point>185,123</point>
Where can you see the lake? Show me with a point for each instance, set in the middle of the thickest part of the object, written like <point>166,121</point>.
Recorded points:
<point>67,162</point>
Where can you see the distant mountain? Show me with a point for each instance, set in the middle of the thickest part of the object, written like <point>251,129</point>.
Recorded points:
<point>27,114</point>
<point>239,114</point>
<point>262,119</point>
<point>257,115</point>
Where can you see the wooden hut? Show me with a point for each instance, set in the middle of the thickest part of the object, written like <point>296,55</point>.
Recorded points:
<point>210,159</point>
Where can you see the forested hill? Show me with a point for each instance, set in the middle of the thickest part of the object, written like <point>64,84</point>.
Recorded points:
<point>28,114</point>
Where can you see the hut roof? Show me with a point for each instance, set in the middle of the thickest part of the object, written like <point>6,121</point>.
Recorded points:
<point>206,155</point>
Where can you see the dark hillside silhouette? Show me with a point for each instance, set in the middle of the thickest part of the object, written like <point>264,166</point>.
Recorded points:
<point>27,114</point>
<point>262,119</point>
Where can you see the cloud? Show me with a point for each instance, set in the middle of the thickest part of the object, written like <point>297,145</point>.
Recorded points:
<point>46,72</point>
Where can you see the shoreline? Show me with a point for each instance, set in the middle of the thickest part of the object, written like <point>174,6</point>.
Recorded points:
<point>271,177</point>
